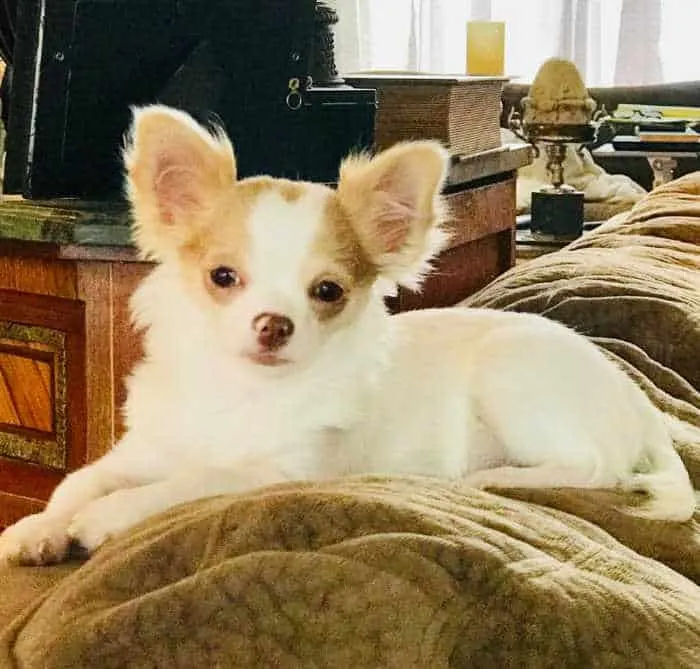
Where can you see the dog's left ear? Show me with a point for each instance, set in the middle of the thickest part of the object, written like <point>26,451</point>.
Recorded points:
<point>174,171</point>
<point>396,208</point>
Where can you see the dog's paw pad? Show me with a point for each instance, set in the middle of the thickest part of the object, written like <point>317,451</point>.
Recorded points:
<point>34,540</point>
<point>45,551</point>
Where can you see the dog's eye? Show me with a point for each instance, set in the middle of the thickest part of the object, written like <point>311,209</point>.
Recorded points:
<point>328,291</point>
<point>224,277</point>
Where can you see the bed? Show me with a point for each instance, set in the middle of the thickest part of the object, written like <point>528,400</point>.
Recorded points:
<point>417,572</point>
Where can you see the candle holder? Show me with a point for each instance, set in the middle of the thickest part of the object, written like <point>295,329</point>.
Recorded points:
<point>486,48</point>
<point>557,113</point>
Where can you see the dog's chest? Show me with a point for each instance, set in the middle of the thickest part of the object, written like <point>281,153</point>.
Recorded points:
<point>218,424</point>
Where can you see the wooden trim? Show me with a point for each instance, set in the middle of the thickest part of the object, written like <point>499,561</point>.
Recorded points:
<point>17,248</point>
<point>482,211</point>
<point>67,317</point>
<point>42,310</point>
<point>100,253</point>
<point>31,432</point>
<point>459,272</point>
<point>95,289</point>
<point>27,479</point>
<point>14,507</point>
<point>506,240</point>
<point>37,275</point>
<point>26,352</point>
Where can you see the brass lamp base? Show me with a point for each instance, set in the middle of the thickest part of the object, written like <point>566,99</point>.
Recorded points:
<point>557,113</point>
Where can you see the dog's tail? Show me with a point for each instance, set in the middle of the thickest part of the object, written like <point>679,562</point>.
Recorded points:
<point>664,477</point>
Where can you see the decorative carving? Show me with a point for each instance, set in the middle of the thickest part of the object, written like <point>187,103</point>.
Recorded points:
<point>39,446</point>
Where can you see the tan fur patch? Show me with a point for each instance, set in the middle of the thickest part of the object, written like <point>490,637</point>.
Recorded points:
<point>290,191</point>
<point>395,204</point>
<point>223,239</point>
<point>337,242</point>
<point>337,238</point>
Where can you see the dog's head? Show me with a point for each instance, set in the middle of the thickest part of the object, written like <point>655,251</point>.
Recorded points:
<point>279,265</point>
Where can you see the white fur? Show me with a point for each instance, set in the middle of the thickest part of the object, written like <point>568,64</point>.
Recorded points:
<point>492,398</point>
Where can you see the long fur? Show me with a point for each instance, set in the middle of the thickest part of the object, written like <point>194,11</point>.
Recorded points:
<point>486,397</point>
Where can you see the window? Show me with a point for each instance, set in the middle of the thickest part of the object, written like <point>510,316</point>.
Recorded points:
<point>622,42</point>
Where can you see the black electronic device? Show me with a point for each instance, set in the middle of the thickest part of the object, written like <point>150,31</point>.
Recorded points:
<point>249,65</point>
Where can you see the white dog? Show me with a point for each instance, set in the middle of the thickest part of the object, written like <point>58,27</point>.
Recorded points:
<point>270,355</point>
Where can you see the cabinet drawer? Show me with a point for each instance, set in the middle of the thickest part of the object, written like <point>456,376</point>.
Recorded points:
<point>42,397</point>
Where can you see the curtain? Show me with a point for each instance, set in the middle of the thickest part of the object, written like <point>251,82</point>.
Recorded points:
<point>613,42</point>
<point>640,25</point>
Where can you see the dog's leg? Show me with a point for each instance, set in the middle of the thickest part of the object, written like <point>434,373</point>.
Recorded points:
<point>42,538</point>
<point>122,509</point>
<point>541,476</point>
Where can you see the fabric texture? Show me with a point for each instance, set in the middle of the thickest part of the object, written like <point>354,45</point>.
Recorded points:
<point>416,572</point>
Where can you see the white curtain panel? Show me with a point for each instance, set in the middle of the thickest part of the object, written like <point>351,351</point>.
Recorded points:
<point>613,42</point>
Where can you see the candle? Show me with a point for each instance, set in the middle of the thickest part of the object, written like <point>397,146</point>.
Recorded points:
<point>486,47</point>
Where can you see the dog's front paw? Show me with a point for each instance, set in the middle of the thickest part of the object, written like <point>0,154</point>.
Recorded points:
<point>40,539</point>
<point>102,519</point>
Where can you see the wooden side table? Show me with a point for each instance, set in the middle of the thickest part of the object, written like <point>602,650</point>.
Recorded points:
<point>67,270</point>
<point>529,246</point>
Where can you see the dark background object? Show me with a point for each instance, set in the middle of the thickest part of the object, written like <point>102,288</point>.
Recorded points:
<point>8,11</point>
<point>635,143</point>
<point>80,65</point>
<point>559,214</point>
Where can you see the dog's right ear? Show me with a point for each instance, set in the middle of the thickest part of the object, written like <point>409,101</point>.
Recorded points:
<point>394,201</point>
<point>174,171</point>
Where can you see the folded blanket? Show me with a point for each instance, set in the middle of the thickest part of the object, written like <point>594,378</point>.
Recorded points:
<point>416,572</point>
<point>362,573</point>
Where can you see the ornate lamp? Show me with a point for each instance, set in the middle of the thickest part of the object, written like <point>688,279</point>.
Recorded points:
<point>557,112</point>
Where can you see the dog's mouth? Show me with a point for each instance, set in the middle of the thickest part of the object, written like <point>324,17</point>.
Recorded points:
<point>267,359</point>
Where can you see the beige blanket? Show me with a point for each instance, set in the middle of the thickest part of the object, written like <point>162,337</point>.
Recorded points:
<point>415,572</point>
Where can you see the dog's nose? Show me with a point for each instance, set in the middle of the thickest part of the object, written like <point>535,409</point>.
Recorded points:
<point>273,330</point>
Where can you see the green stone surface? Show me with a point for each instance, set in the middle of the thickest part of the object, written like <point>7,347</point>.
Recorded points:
<point>65,222</point>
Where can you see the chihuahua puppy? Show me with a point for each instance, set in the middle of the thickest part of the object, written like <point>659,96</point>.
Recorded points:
<point>270,356</point>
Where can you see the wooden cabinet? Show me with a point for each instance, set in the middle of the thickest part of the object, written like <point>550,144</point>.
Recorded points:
<point>65,347</point>
<point>66,343</point>
<point>482,246</point>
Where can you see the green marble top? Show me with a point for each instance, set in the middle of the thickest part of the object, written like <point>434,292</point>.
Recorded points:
<point>89,224</point>
<point>65,222</point>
